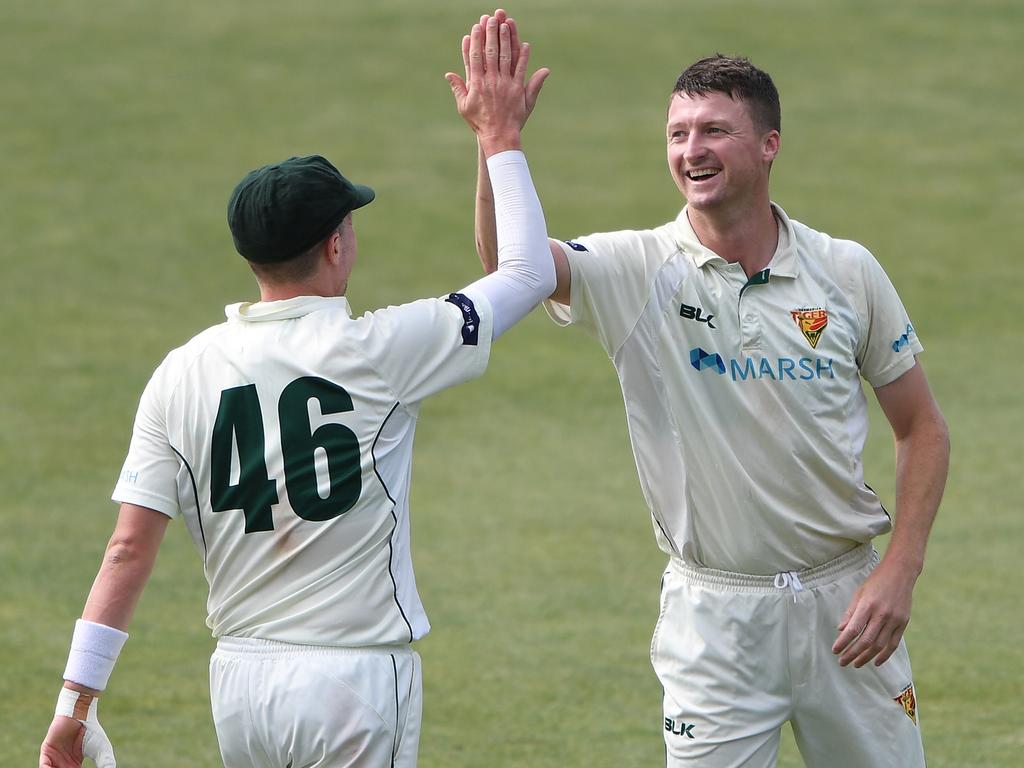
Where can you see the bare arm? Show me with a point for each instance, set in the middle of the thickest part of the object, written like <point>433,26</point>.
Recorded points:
<point>124,571</point>
<point>483,223</point>
<point>127,564</point>
<point>880,611</point>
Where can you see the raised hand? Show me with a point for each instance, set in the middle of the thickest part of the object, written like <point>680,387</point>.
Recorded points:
<point>494,98</point>
<point>536,81</point>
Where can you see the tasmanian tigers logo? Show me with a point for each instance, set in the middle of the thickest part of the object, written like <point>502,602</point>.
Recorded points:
<point>811,323</point>
<point>908,701</point>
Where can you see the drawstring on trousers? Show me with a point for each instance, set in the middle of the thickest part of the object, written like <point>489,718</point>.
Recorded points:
<point>785,579</point>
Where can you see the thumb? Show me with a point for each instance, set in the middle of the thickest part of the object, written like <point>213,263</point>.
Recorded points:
<point>97,746</point>
<point>534,85</point>
<point>458,86</point>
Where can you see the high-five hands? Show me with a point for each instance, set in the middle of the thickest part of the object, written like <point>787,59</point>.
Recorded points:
<point>495,98</point>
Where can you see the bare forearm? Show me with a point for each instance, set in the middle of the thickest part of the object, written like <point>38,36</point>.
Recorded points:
<point>922,464</point>
<point>119,583</point>
<point>486,234</point>
<point>127,564</point>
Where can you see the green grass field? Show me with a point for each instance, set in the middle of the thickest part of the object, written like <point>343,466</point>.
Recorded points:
<point>124,126</point>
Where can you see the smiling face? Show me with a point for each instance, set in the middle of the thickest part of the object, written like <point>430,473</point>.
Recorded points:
<point>717,155</point>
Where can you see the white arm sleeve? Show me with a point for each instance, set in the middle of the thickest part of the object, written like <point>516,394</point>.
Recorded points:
<point>526,271</point>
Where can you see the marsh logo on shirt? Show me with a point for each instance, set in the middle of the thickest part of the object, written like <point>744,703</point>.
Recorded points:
<point>779,369</point>
<point>811,323</point>
<point>702,360</point>
<point>904,339</point>
<point>908,701</point>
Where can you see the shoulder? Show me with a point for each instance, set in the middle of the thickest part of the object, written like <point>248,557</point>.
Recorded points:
<point>409,316</point>
<point>844,258</point>
<point>620,253</point>
<point>658,239</point>
<point>421,325</point>
<point>180,359</point>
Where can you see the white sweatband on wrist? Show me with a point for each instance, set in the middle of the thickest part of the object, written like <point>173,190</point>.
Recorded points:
<point>94,649</point>
<point>526,271</point>
<point>76,705</point>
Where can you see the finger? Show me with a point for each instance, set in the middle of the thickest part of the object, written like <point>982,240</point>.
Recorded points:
<point>465,54</point>
<point>491,49</point>
<point>483,26</point>
<point>533,87</point>
<point>848,614</point>
<point>852,628</point>
<point>476,48</point>
<point>502,17</point>
<point>888,640</point>
<point>458,86</point>
<point>514,42</point>
<point>504,51</point>
<point>889,649</point>
<point>98,747</point>
<point>524,59</point>
<point>866,645</point>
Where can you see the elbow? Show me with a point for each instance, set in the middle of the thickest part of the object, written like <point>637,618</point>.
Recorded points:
<point>548,282</point>
<point>942,432</point>
<point>123,551</point>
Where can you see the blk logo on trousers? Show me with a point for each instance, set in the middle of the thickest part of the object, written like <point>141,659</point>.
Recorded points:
<point>679,728</point>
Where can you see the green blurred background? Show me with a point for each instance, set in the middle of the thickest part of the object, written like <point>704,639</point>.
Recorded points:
<point>125,124</point>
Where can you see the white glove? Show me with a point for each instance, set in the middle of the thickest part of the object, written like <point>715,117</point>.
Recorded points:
<point>95,745</point>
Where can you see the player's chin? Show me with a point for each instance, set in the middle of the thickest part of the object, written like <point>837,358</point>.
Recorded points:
<point>702,200</point>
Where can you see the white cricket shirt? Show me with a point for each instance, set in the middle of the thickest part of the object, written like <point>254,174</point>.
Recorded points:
<point>284,438</point>
<point>743,397</point>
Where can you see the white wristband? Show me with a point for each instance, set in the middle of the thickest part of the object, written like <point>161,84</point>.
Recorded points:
<point>76,705</point>
<point>94,649</point>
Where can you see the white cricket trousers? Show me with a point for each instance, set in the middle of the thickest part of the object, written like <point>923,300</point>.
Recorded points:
<point>740,655</point>
<point>277,705</point>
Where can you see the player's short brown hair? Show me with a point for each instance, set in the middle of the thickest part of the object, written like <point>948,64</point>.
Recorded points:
<point>295,269</point>
<point>741,80</point>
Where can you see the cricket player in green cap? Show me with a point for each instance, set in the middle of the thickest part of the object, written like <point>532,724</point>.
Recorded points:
<point>283,438</point>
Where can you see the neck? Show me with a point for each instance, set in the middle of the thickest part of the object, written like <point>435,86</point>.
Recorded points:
<point>280,292</point>
<point>748,237</point>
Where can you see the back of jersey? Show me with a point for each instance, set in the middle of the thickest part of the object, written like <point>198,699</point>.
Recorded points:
<point>284,437</point>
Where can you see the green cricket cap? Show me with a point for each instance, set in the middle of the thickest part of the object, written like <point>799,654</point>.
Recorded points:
<point>282,210</point>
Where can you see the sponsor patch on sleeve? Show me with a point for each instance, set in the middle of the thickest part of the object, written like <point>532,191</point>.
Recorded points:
<point>575,246</point>
<point>904,339</point>
<point>470,318</point>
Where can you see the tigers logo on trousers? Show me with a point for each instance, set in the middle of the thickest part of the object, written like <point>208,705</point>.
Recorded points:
<point>908,701</point>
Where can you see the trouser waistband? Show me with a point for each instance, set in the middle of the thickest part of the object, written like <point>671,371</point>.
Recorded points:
<point>253,646</point>
<point>808,578</point>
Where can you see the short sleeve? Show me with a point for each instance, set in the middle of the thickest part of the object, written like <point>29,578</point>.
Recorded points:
<point>149,474</point>
<point>889,343</point>
<point>611,276</point>
<point>429,345</point>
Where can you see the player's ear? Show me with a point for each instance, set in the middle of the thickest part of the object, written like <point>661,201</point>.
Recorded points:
<point>772,145</point>
<point>332,248</point>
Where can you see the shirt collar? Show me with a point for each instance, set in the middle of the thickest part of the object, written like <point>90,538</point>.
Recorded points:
<point>783,263</point>
<point>286,309</point>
